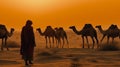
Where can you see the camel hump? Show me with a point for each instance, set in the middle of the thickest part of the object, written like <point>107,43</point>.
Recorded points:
<point>113,26</point>
<point>86,26</point>
<point>48,28</point>
<point>2,26</point>
<point>61,28</point>
<point>3,30</point>
<point>116,27</point>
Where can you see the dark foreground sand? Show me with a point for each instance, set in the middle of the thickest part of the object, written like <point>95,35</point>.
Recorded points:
<point>63,58</point>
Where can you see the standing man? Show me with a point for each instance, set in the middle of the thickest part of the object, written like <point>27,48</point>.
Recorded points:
<point>27,43</point>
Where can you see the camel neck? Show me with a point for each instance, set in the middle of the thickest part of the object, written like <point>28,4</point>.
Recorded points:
<point>77,32</point>
<point>101,30</point>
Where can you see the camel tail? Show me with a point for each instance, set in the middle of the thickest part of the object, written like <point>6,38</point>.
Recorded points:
<point>66,38</point>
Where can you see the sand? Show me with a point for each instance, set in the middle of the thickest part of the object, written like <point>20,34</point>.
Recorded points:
<point>74,56</point>
<point>63,58</point>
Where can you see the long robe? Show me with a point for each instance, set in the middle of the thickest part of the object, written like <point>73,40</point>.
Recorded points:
<point>27,43</point>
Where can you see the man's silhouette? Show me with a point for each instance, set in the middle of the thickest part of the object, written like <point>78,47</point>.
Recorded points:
<point>27,42</point>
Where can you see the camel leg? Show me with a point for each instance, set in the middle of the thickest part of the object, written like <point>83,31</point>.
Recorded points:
<point>60,42</point>
<point>97,42</point>
<point>2,45</point>
<point>53,41</point>
<point>108,39</point>
<point>56,39</point>
<point>67,42</point>
<point>56,42</point>
<point>119,36</point>
<point>63,42</point>
<point>93,42</point>
<point>83,41</point>
<point>87,41</point>
<point>66,39</point>
<point>50,42</point>
<point>6,43</point>
<point>103,38</point>
<point>46,42</point>
<point>112,40</point>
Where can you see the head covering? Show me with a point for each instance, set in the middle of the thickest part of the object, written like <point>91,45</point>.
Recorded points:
<point>28,23</point>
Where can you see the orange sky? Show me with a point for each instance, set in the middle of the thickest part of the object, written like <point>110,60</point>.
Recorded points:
<point>14,13</point>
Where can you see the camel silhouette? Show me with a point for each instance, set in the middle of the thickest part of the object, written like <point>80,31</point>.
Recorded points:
<point>60,34</point>
<point>4,34</point>
<point>87,30</point>
<point>48,33</point>
<point>112,32</point>
<point>57,36</point>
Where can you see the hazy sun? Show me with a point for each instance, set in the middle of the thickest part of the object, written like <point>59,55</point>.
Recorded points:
<point>39,5</point>
<point>30,5</point>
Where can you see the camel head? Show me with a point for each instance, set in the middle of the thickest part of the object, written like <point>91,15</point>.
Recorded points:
<point>11,32</point>
<point>56,28</point>
<point>75,30</point>
<point>72,27</point>
<point>61,28</point>
<point>38,29</point>
<point>99,26</point>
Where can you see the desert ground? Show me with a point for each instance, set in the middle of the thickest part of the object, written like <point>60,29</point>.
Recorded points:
<point>75,56</point>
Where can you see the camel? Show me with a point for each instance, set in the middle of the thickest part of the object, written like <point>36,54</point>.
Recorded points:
<point>48,33</point>
<point>61,34</point>
<point>87,30</point>
<point>57,36</point>
<point>4,34</point>
<point>112,32</point>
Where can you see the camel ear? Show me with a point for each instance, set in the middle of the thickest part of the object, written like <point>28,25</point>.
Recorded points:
<point>13,29</point>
